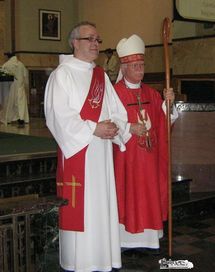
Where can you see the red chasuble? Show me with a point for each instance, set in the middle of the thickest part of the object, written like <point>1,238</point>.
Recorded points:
<point>142,174</point>
<point>71,172</point>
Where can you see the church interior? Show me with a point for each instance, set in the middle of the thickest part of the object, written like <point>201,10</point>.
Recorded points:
<point>28,154</point>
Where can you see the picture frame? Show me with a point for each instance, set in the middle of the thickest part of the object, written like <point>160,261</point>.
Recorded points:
<point>49,25</point>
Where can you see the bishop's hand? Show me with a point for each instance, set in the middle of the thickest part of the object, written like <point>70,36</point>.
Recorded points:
<point>169,95</point>
<point>138,129</point>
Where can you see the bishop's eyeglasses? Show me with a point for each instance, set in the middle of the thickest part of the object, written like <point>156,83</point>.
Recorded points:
<point>135,66</point>
<point>90,39</point>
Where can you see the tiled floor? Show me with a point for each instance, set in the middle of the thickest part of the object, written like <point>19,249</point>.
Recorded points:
<point>193,240</point>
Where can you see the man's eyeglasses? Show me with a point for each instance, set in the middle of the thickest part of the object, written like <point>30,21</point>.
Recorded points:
<point>136,66</point>
<point>90,39</point>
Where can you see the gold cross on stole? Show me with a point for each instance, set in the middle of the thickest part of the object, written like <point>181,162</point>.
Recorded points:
<point>74,184</point>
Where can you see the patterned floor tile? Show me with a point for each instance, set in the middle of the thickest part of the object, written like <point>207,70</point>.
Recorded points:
<point>205,245</point>
<point>211,229</point>
<point>198,225</point>
<point>210,221</point>
<point>210,239</point>
<point>184,229</point>
<point>202,234</point>
<point>187,250</point>
<point>186,239</point>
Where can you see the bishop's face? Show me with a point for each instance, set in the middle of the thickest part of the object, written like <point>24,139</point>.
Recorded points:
<point>87,49</point>
<point>134,71</point>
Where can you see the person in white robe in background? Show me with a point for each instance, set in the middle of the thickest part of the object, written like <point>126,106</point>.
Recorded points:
<point>111,64</point>
<point>15,107</point>
<point>97,248</point>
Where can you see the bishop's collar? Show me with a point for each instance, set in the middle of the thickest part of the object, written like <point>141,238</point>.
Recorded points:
<point>130,85</point>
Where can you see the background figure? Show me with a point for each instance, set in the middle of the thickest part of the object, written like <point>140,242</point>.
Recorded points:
<point>85,115</point>
<point>15,107</point>
<point>141,171</point>
<point>111,64</point>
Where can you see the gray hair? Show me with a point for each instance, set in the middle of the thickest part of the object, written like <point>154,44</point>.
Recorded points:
<point>75,32</point>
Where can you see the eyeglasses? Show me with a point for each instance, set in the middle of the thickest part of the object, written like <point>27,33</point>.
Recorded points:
<point>90,39</point>
<point>136,66</point>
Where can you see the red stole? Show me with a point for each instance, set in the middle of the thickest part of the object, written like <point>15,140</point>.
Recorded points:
<point>71,172</point>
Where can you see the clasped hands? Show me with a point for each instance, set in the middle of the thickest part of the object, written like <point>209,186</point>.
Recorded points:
<point>106,129</point>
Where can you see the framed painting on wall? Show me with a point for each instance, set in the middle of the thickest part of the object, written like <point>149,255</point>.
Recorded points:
<point>49,25</point>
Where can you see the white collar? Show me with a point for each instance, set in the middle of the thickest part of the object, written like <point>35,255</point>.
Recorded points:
<point>132,85</point>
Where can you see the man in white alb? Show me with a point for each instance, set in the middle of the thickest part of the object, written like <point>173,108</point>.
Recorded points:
<point>85,116</point>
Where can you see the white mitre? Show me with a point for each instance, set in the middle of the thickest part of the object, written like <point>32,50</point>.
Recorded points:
<point>130,49</point>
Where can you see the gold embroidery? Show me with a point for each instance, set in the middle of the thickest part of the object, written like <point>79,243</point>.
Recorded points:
<point>74,184</point>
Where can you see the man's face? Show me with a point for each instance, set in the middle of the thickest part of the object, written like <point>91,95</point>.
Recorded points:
<point>84,49</point>
<point>134,71</point>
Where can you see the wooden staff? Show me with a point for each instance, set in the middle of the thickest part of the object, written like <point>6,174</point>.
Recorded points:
<point>166,32</point>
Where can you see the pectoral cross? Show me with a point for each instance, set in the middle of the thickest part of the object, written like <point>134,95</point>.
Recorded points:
<point>148,142</point>
<point>141,103</point>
